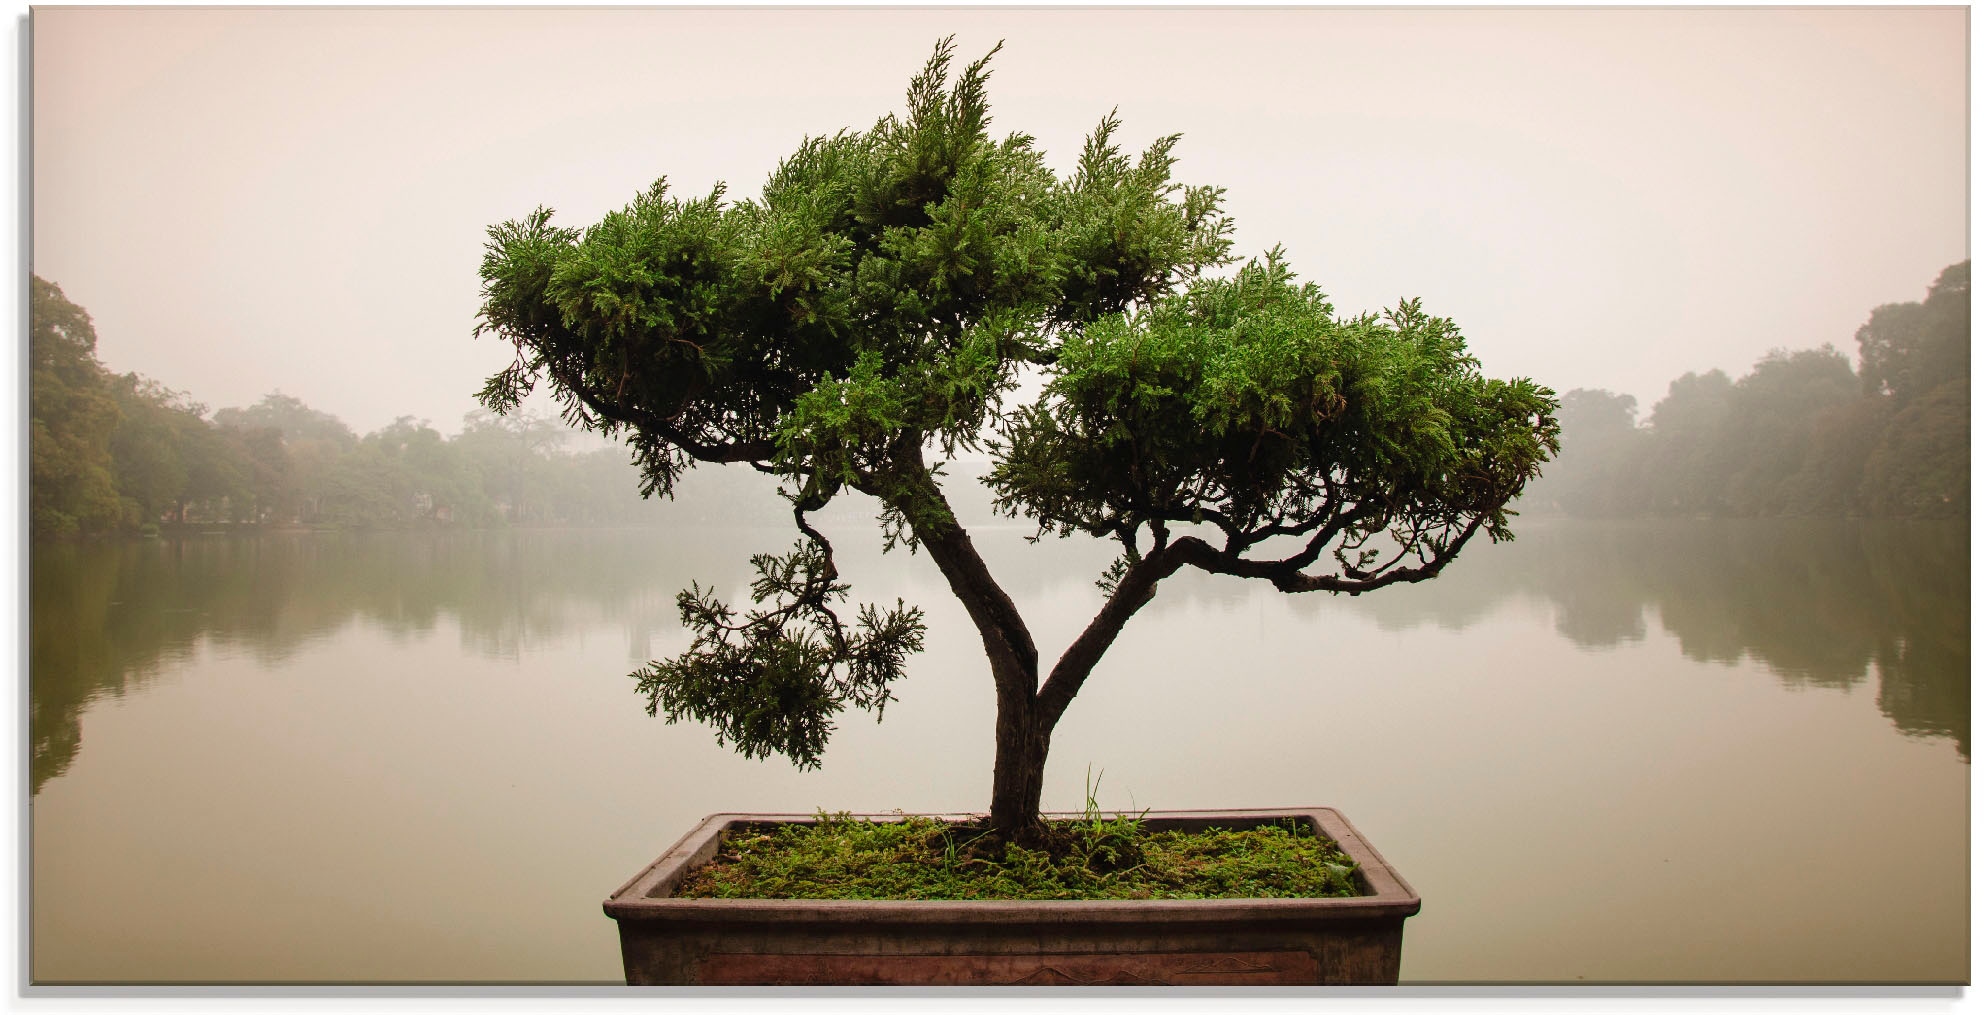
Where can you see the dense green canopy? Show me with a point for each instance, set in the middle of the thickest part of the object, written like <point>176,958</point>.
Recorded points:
<point>885,282</point>
<point>884,297</point>
<point>1247,404</point>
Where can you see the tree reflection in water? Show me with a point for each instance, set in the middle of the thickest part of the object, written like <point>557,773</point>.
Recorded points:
<point>1817,603</point>
<point>108,616</point>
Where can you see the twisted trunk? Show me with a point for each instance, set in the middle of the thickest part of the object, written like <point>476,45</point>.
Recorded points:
<point>1020,735</point>
<point>1027,709</point>
<point>1019,767</point>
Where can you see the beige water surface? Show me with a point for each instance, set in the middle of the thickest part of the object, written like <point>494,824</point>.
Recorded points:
<point>1652,752</point>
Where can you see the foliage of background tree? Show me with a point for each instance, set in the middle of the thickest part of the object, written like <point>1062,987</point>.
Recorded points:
<point>1801,434</point>
<point>125,453</point>
<point>1599,439</point>
<point>880,301</point>
<point>71,417</point>
<point>312,442</point>
<point>1920,466</point>
<point>151,472</point>
<point>1909,349</point>
<point>1776,409</point>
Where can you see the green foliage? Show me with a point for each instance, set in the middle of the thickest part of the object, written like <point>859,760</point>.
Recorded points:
<point>1247,403</point>
<point>1776,410</point>
<point>773,681</point>
<point>884,282</point>
<point>126,453</point>
<point>838,857</point>
<point>883,296</point>
<point>294,421</point>
<point>145,448</point>
<point>171,463</point>
<point>1921,467</point>
<point>1907,349</point>
<point>1798,435</point>
<point>71,417</point>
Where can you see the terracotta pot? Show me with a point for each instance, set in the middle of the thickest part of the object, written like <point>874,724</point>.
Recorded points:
<point>666,940</point>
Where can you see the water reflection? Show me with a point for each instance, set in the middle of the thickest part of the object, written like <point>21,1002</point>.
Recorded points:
<point>108,616</point>
<point>1819,604</point>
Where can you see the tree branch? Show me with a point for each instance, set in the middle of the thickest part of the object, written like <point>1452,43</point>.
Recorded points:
<point>1137,587</point>
<point>1286,574</point>
<point>654,423</point>
<point>999,623</point>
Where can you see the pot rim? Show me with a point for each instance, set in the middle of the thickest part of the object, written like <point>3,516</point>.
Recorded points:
<point>644,897</point>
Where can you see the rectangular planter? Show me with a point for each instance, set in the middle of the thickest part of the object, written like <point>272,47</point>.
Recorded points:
<point>1213,942</point>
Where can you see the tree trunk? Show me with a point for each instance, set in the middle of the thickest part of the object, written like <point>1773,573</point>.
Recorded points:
<point>1028,709</point>
<point>1021,729</point>
<point>1019,768</point>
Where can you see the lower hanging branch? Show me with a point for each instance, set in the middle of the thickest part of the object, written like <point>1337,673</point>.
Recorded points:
<point>773,681</point>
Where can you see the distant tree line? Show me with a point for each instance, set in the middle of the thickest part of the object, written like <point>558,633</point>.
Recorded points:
<point>114,453</point>
<point>1802,434</point>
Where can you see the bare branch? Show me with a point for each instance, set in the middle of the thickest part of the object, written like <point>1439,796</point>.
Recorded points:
<point>1287,575</point>
<point>1135,588</point>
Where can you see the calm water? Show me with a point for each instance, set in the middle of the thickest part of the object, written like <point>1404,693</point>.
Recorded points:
<point>1690,751</point>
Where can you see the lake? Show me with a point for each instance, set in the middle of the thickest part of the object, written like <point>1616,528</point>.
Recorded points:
<point>1649,751</point>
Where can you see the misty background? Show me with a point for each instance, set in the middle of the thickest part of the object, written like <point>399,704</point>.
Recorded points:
<point>1801,434</point>
<point>249,201</point>
<point>273,219</point>
<point>385,640</point>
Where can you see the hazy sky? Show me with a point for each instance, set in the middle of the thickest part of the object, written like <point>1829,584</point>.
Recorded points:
<point>248,200</point>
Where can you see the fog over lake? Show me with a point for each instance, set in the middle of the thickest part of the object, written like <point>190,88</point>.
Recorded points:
<point>249,199</point>
<point>1612,751</point>
<point>329,667</point>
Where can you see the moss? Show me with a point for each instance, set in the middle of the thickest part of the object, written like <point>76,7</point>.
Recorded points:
<point>839,857</point>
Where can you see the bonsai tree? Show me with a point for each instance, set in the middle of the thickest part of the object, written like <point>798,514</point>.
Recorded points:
<point>873,312</point>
